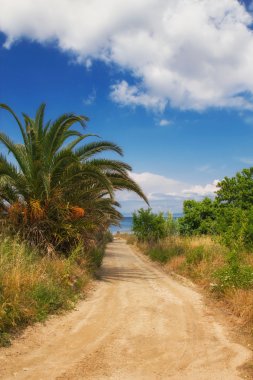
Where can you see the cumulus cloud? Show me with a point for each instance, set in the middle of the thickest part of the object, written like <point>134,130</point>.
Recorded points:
<point>161,188</point>
<point>164,194</point>
<point>205,190</point>
<point>124,94</point>
<point>190,54</point>
<point>164,122</point>
<point>154,184</point>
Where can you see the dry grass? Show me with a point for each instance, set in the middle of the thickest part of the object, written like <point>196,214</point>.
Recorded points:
<point>199,269</point>
<point>176,264</point>
<point>31,286</point>
<point>240,302</point>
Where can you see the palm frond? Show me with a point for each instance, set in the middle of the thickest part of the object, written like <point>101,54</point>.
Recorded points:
<point>94,148</point>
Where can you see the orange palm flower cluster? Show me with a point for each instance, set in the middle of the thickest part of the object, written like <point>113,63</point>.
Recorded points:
<point>76,212</point>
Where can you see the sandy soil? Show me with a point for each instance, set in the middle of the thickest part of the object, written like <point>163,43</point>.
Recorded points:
<point>138,324</point>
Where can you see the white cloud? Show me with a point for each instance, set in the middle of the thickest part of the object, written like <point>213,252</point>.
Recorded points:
<point>191,54</point>
<point>164,194</point>
<point>157,184</point>
<point>124,94</point>
<point>158,188</point>
<point>205,190</point>
<point>164,122</point>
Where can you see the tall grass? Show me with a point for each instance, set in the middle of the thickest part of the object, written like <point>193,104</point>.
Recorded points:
<point>33,286</point>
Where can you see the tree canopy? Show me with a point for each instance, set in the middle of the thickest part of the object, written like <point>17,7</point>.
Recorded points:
<point>55,190</point>
<point>229,215</point>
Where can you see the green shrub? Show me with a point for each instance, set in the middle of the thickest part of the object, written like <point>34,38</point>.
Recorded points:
<point>47,298</point>
<point>108,237</point>
<point>164,252</point>
<point>195,255</point>
<point>151,227</point>
<point>199,217</point>
<point>5,339</point>
<point>234,274</point>
<point>159,254</point>
<point>235,227</point>
<point>172,225</point>
<point>96,256</point>
<point>240,277</point>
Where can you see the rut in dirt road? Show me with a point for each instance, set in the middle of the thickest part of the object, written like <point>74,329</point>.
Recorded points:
<point>138,324</point>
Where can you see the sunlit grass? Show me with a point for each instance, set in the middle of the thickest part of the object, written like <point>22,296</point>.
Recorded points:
<point>33,286</point>
<point>200,258</point>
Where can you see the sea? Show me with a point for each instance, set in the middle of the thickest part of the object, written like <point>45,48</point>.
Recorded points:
<point>127,222</point>
<point>125,225</point>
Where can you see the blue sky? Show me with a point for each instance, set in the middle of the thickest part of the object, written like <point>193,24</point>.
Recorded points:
<point>169,81</point>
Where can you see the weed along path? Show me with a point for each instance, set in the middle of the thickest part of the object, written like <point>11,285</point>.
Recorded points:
<point>137,324</point>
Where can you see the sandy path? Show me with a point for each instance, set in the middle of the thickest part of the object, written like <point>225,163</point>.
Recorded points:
<point>138,324</point>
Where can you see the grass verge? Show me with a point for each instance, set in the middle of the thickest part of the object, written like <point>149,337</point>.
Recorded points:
<point>224,275</point>
<point>33,286</point>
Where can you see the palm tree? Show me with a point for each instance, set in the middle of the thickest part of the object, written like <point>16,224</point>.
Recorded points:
<point>58,191</point>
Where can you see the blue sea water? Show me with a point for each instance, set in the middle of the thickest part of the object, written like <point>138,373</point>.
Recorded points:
<point>125,225</point>
<point>127,222</point>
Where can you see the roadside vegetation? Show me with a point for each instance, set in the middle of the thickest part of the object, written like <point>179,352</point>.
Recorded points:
<point>212,243</point>
<point>57,200</point>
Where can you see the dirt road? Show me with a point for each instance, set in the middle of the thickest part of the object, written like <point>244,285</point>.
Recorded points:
<point>138,324</point>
